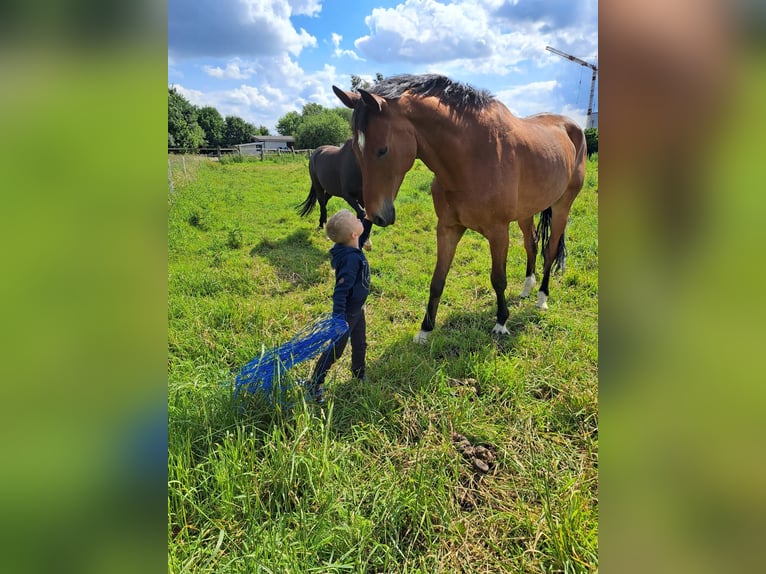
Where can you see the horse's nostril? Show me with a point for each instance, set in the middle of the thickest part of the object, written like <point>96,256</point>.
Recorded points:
<point>378,220</point>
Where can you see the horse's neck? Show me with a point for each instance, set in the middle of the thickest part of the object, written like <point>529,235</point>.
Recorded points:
<point>440,139</point>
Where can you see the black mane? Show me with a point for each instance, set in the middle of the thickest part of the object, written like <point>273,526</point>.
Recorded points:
<point>459,96</point>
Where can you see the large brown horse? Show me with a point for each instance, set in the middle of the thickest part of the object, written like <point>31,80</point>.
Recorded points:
<point>490,168</point>
<point>334,172</point>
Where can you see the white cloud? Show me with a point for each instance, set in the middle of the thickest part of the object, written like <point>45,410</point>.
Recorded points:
<point>232,71</point>
<point>211,28</point>
<point>427,31</point>
<point>475,36</point>
<point>282,86</point>
<point>527,99</point>
<point>306,7</point>
<point>339,52</point>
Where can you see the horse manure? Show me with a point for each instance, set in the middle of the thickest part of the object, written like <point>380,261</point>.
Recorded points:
<point>480,465</point>
<point>482,457</point>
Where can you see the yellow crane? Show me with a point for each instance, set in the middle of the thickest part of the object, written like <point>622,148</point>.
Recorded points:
<point>570,57</point>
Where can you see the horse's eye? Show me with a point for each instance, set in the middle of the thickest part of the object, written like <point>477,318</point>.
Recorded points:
<point>382,151</point>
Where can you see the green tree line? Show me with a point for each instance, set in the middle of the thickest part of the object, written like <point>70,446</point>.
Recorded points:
<point>191,127</point>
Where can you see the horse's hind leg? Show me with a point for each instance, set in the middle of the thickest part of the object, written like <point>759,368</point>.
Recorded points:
<point>527,227</point>
<point>555,246</point>
<point>447,238</point>
<point>322,198</point>
<point>498,246</point>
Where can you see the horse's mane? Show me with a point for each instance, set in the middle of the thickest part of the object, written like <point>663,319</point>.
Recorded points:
<point>459,96</point>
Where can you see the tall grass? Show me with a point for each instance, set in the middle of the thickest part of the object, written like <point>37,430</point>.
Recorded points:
<point>372,481</point>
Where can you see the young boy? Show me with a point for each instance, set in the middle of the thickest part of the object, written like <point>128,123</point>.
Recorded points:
<point>352,285</point>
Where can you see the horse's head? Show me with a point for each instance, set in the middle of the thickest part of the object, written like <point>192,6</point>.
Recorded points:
<point>385,147</point>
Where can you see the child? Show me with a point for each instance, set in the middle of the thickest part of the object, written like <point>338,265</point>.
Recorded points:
<point>352,285</point>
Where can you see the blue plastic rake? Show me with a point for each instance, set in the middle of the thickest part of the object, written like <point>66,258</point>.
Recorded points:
<point>260,374</point>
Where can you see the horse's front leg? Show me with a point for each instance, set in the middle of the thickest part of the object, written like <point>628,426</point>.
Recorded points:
<point>498,245</point>
<point>447,238</point>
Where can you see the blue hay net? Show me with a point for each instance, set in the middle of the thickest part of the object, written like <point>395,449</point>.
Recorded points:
<point>260,374</point>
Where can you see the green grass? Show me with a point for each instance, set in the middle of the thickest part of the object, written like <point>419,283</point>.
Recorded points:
<point>372,482</point>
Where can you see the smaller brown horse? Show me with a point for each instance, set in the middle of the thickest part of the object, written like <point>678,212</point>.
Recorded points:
<point>335,172</point>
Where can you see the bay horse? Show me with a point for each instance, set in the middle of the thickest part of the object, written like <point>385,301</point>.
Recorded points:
<point>334,171</point>
<point>490,168</point>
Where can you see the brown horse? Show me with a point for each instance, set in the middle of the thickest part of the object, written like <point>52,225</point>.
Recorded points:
<point>334,172</point>
<point>490,168</point>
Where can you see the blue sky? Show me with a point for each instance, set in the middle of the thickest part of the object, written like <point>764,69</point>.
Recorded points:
<point>259,59</point>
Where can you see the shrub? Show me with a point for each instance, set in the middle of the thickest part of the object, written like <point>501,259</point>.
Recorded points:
<point>591,138</point>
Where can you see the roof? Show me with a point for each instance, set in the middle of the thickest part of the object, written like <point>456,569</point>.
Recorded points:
<point>272,139</point>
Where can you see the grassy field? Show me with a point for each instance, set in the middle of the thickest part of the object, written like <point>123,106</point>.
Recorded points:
<point>384,477</point>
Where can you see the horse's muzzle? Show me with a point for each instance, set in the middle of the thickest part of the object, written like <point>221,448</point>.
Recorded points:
<point>386,215</point>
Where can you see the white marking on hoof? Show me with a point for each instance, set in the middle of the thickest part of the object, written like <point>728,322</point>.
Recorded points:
<point>367,245</point>
<point>499,329</point>
<point>422,337</point>
<point>542,301</point>
<point>529,284</point>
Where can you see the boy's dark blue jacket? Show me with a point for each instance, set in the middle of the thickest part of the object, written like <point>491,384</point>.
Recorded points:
<point>352,274</point>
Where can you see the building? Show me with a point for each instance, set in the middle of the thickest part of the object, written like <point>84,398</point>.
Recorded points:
<point>266,143</point>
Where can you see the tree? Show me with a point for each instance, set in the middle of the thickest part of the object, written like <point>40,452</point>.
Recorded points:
<point>311,109</point>
<point>357,82</point>
<point>238,131</point>
<point>211,122</point>
<point>591,139</point>
<point>262,131</point>
<point>322,128</point>
<point>183,129</point>
<point>288,124</point>
<point>344,113</point>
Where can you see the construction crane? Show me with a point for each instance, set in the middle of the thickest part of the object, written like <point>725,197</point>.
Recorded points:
<point>589,116</point>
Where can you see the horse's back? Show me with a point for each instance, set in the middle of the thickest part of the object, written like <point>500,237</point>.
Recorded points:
<point>338,172</point>
<point>558,136</point>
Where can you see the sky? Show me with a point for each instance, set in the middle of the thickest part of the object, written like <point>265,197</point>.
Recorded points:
<point>259,59</point>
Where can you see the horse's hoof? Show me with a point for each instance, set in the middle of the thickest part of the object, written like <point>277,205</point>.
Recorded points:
<point>367,246</point>
<point>499,329</point>
<point>421,338</point>
<point>529,284</point>
<point>542,301</point>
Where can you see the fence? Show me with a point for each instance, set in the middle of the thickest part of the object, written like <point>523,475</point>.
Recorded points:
<point>219,151</point>
<point>184,169</point>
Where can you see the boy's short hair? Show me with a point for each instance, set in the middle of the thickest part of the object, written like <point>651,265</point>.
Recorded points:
<point>340,226</point>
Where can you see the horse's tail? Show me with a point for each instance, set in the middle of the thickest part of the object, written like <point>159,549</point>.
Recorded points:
<point>544,235</point>
<point>307,206</point>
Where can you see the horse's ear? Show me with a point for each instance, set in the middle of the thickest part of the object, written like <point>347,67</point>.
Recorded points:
<point>372,100</point>
<point>348,98</point>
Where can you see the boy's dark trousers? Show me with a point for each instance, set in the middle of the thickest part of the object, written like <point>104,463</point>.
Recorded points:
<point>357,332</point>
